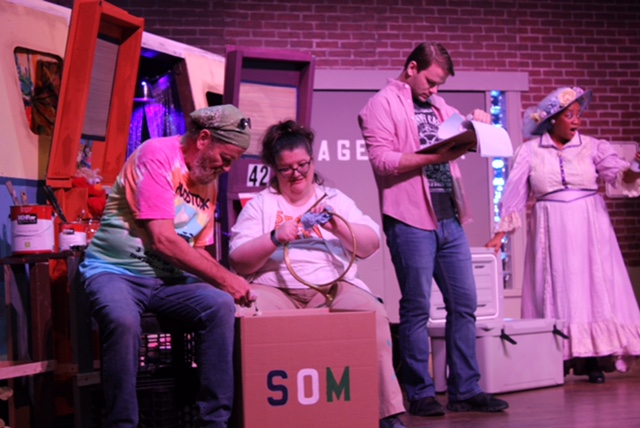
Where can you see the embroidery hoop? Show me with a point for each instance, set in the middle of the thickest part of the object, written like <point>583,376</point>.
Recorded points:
<point>320,288</point>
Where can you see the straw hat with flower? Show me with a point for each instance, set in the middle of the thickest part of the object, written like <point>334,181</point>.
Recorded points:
<point>537,120</point>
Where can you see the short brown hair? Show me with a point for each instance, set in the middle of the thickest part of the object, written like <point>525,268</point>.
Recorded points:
<point>428,53</point>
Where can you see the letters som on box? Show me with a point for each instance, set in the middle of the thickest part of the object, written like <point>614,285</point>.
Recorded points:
<point>310,367</point>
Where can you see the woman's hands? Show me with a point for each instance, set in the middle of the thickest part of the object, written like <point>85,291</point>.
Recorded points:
<point>496,242</point>
<point>633,173</point>
<point>332,224</point>
<point>286,232</point>
<point>290,230</point>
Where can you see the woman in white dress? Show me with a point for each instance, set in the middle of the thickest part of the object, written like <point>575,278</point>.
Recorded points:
<point>574,270</point>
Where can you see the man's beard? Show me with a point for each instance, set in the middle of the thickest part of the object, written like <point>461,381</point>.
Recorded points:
<point>202,172</point>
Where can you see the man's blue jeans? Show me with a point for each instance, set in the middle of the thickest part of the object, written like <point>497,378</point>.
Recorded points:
<point>117,301</point>
<point>419,257</point>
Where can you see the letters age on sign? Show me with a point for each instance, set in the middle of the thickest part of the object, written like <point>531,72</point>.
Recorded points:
<point>345,151</point>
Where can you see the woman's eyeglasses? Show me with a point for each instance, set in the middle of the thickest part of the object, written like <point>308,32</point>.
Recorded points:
<point>302,169</point>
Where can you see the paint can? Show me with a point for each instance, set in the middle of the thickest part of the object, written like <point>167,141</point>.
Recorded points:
<point>32,230</point>
<point>92,227</point>
<point>72,235</point>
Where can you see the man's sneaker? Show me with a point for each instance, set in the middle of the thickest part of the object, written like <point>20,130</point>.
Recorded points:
<point>481,402</point>
<point>391,422</point>
<point>427,406</point>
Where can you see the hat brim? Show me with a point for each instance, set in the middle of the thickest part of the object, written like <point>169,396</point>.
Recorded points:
<point>584,99</point>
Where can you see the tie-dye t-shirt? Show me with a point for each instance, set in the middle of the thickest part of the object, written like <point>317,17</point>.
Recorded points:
<point>154,184</point>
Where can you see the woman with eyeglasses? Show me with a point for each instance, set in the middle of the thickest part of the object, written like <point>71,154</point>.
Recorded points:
<point>574,270</point>
<point>319,247</point>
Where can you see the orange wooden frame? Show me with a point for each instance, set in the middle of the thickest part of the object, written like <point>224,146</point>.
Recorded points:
<point>90,20</point>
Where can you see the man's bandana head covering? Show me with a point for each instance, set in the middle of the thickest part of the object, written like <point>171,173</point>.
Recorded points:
<point>226,123</point>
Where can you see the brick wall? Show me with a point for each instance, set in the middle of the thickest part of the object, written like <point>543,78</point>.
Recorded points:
<point>594,44</point>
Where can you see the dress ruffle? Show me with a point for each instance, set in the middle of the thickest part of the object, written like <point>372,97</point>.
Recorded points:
<point>601,339</point>
<point>509,223</point>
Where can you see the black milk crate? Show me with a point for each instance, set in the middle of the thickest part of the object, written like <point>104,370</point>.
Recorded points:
<point>166,398</point>
<point>164,343</point>
<point>167,380</point>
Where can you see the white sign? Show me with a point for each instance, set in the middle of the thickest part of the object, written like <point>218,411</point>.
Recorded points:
<point>257,175</point>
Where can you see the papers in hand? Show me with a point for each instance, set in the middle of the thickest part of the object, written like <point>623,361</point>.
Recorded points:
<point>491,140</point>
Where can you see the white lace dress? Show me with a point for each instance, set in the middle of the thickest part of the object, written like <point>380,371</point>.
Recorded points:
<point>574,269</point>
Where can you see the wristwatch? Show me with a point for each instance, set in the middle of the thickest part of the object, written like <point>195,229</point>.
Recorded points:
<point>273,238</point>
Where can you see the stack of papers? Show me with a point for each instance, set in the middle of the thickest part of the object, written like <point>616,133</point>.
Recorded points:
<point>491,140</point>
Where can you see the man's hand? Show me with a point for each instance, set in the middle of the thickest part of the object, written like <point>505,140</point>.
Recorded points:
<point>480,116</point>
<point>195,260</point>
<point>239,289</point>
<point>450,151</point>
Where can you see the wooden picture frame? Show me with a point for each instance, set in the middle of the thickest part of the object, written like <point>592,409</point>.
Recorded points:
<point>268,86</point>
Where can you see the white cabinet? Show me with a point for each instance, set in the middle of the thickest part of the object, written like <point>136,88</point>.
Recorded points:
<point>487,271</point>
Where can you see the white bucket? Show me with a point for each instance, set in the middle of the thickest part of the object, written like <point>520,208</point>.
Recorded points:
<point>72,235</point>
<point>32,230</point>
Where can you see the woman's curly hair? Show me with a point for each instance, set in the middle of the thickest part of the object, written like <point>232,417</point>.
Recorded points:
<point>283,136</point>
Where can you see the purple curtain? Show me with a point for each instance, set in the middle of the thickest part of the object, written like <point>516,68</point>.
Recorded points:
<point>158,115</point>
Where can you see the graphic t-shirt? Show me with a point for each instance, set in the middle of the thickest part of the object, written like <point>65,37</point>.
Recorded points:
<point>316,254</point>
<point>154,184</point>
<point>439,175</point>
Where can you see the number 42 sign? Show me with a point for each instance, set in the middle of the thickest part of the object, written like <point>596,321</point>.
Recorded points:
<point>258,175</point>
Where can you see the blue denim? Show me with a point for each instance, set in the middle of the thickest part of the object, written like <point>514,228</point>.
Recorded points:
<point>419,257</point>
<point>117,301</point>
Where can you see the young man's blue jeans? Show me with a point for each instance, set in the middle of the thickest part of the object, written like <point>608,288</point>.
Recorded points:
<point>117,301</point>
<point>419,256</point>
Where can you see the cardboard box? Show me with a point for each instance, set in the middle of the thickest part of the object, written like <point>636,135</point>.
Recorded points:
<point>533,361</point>
<point>306,368</point>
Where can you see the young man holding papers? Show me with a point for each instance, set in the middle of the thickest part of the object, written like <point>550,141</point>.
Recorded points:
<point>489,140</point>
<point>423,208</point>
